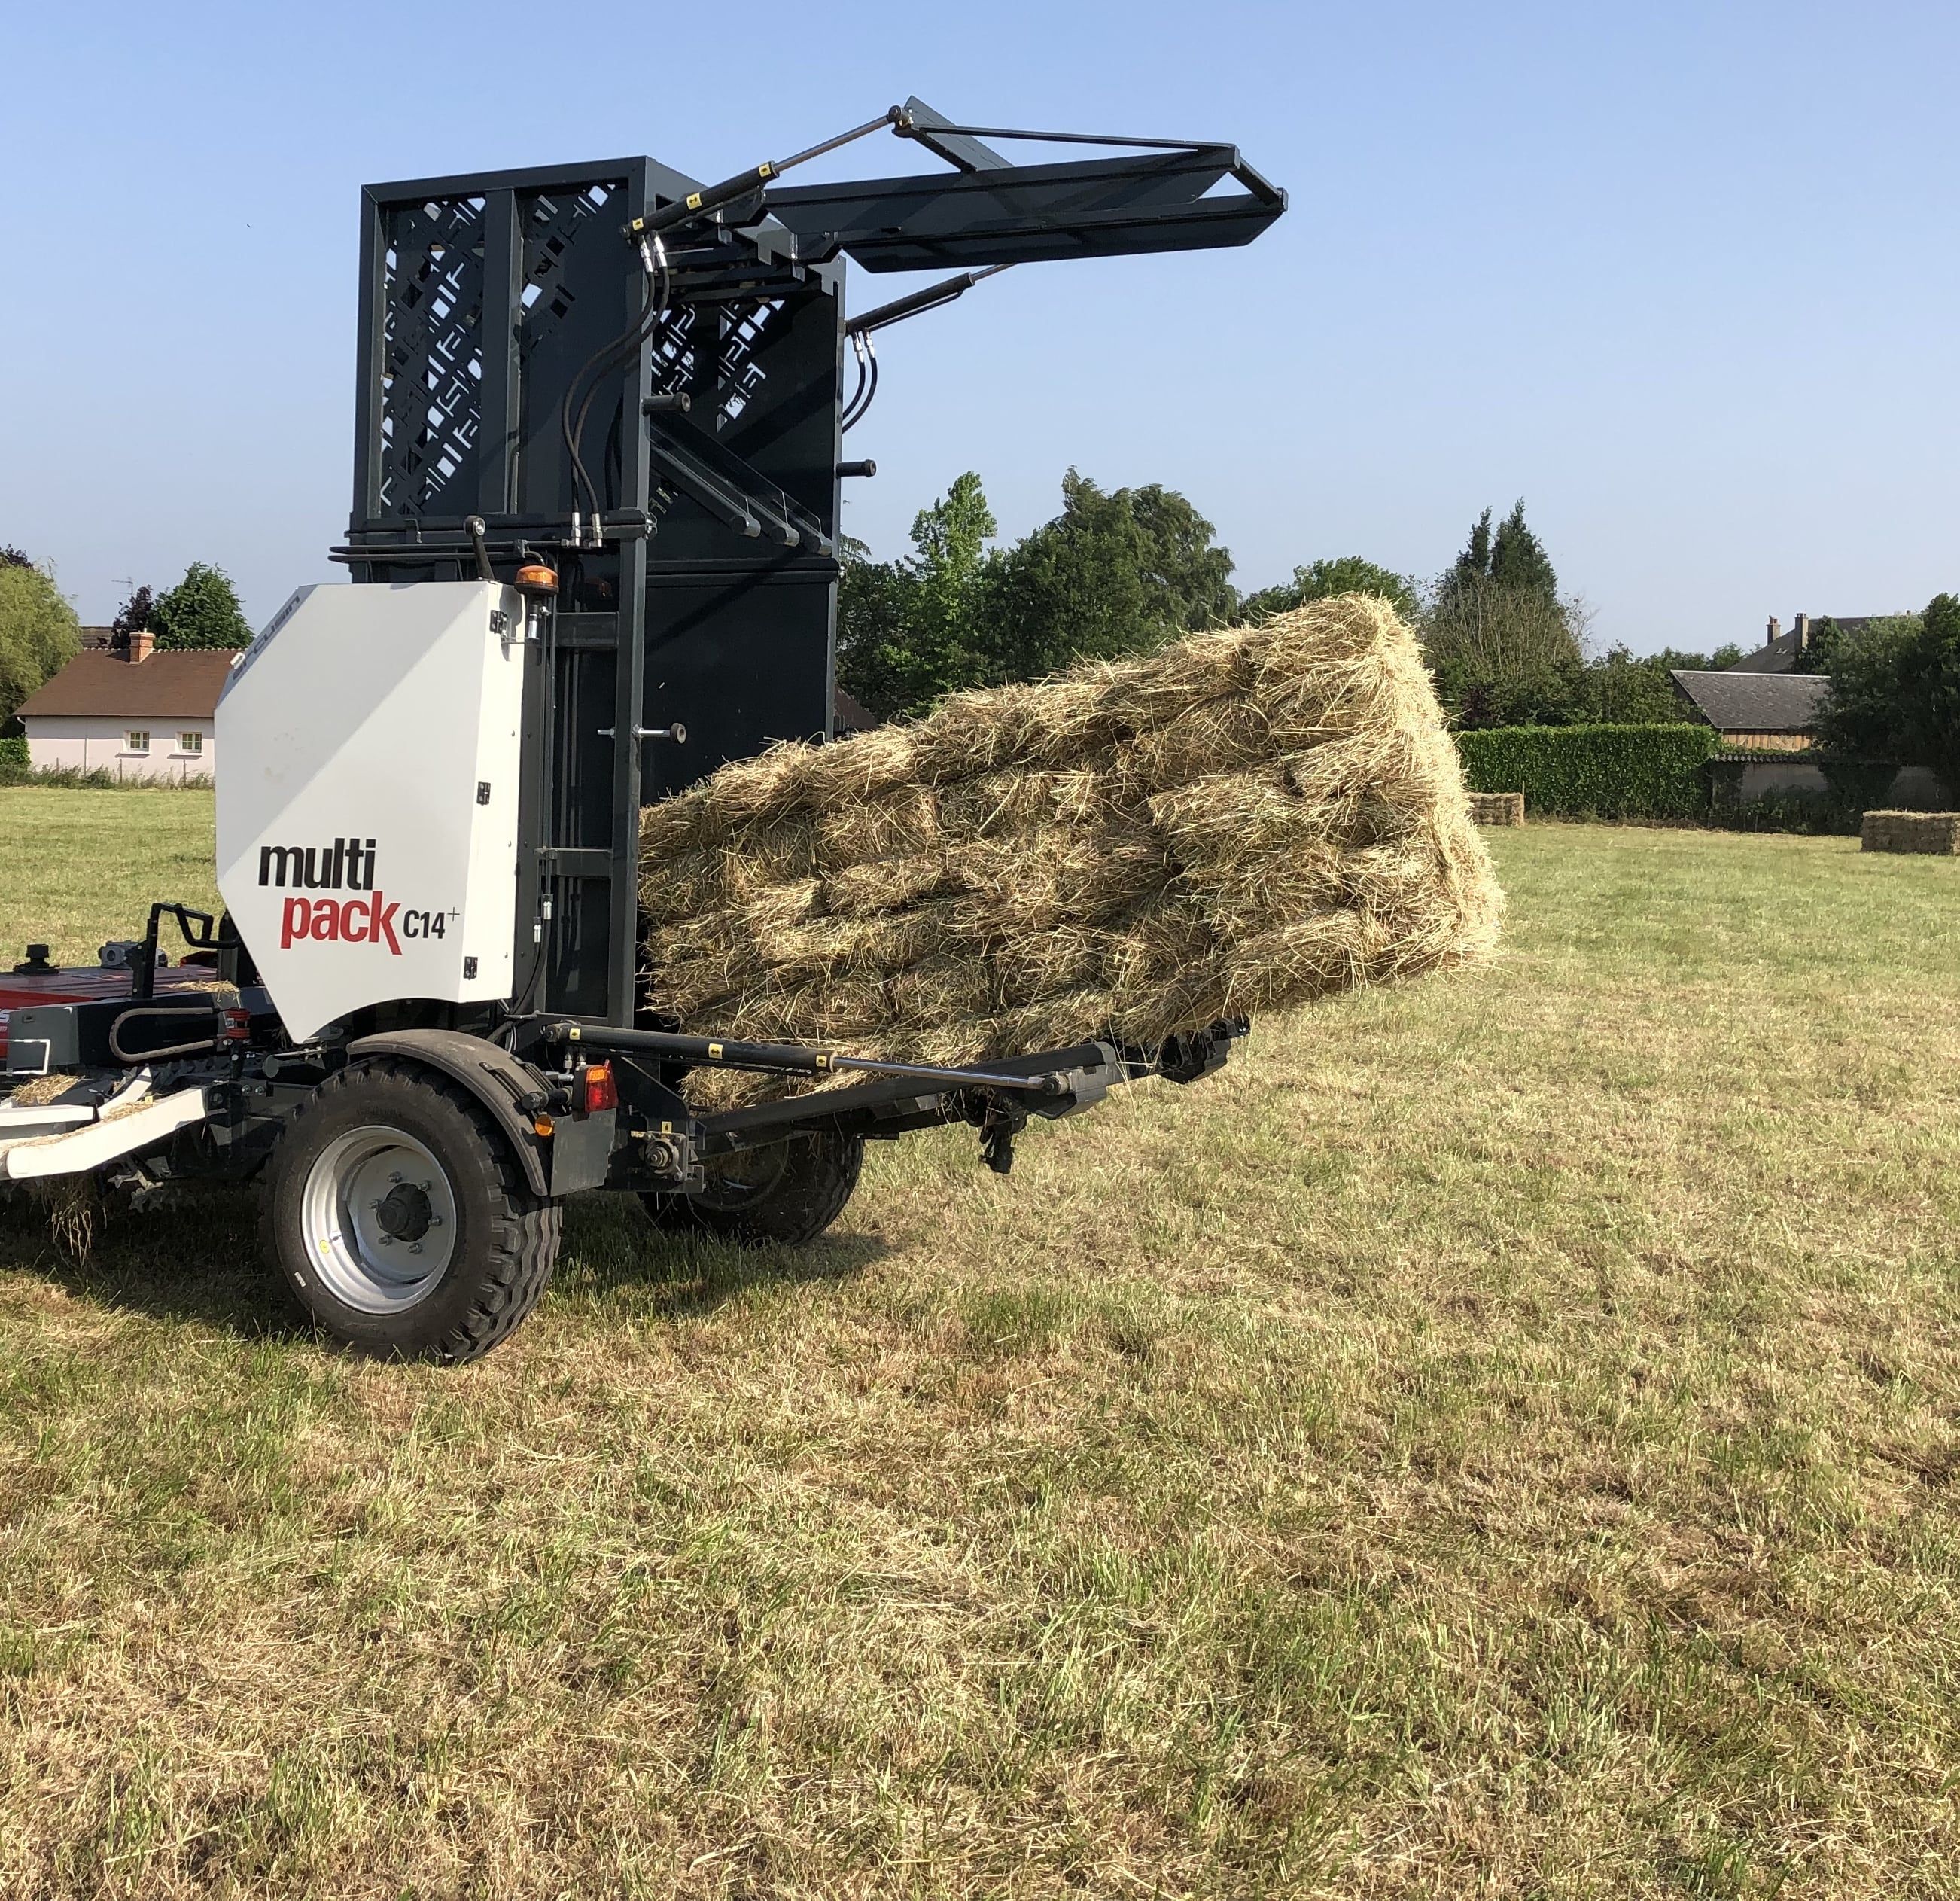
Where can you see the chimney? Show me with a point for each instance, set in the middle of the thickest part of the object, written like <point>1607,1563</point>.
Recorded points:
<point>141,641</point>
<point>1776,629</point>
<point>1803,633</point>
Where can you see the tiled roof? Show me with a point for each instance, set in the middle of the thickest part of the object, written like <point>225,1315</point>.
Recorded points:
<point>1779,656</point>
<point>1735,702</point>
<point>1782,654</point>
<point>165,686</point>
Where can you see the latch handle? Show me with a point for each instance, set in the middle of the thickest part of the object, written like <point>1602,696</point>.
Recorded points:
<point>676,732</point>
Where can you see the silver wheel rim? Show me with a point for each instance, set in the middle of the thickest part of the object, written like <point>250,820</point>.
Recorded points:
<point>379,1217</point>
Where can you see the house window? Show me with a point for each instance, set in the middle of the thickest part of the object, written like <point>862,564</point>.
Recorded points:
<point>135,741</point>
<point>190,742</point>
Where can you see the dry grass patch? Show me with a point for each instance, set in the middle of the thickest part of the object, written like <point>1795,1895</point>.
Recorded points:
<point>1498,1437</point>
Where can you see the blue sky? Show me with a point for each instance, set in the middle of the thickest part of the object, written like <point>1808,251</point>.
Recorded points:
<point>1684,277</point>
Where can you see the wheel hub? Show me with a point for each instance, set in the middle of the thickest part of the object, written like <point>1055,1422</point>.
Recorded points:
<point>380,1219</point>
<point>404,1213</point>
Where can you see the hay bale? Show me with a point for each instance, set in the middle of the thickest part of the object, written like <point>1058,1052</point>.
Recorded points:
<point>1243,821</point>
<point>1937,832</point>
<point>1498,808</point>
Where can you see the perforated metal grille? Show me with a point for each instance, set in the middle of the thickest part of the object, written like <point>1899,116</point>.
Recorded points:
<point>739,376</point>
<point>550,227</point>
<point>431,353</point>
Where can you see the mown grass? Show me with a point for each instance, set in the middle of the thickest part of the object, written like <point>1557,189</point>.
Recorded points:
<point>81,864</point>
<point>1497,1438</point>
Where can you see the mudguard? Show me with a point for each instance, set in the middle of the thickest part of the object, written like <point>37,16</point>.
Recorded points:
<point>499,1081</point>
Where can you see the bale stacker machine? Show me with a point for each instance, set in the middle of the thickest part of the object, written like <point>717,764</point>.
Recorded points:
<point>593,555</point>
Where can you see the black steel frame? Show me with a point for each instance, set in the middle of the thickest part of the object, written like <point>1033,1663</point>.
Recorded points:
<point>706,592</point>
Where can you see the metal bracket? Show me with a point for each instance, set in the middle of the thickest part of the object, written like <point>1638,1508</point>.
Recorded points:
<point>676,732</point>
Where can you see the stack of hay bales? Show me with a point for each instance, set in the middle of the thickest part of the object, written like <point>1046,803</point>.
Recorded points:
<point>1498,808</point>
<point>1934,831</point>
<point>1242,821</point>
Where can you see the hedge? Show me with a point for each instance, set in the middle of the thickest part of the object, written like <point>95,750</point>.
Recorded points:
<point>1595,772</point>
<point>13,750</point>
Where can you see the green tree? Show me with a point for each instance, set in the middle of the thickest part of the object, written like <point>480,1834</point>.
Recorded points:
<point>1116,572</point>
<point>1622,688</point>
<point>1505,649</point>
<point>38,633</point>
<point>909,631</point>
<point>1323,580</point>
<point>1503,656</point>
<point>1518,559</point>
<point>1895,689</point>
<point>201,610</point>
<point>1187,576</point>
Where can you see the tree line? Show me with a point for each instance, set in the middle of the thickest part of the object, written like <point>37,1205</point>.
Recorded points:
<point>1120,571</point>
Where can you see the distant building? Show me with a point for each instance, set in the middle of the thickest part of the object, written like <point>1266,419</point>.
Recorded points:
<point>1764,704</point>
<point>124,708</point>
<point>1757,711</point>
<point>1790,653</point>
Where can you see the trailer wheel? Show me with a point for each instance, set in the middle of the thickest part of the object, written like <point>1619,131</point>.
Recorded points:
<point>401,1220</point>
<point>784,1195</point>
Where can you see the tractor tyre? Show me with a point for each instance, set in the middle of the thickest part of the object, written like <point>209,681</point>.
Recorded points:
<point>782,1195</point>
<point>401,1219</point>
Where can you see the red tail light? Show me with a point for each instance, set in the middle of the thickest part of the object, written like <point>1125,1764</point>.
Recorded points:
<point>601,1091</point>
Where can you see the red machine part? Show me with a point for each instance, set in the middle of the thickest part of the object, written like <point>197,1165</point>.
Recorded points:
<point>86,984</point>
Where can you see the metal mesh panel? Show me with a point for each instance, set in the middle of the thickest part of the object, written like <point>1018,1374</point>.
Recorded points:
<point>550,227</point>
<point>432,354</point>
<point>739,376</point>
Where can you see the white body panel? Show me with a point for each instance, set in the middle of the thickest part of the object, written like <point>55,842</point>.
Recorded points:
<point>106,1138</point>
<point>358,848</point>
<point>54,1138</point>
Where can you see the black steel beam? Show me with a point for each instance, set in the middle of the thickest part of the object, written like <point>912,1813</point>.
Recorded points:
<point>1092,208</point>
<point>793,1059</point>
<point>830,1104</point>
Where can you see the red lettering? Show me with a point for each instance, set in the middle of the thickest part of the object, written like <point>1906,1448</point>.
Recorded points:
<point>382,923</point>
<point>295,922</point>
<point>354,920</point>
<point>326,920</point>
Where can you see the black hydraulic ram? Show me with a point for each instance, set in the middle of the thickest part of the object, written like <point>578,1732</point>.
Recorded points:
<point>785,1058</point>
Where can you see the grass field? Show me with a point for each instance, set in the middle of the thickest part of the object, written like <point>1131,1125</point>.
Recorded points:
<point>1499,1439</point>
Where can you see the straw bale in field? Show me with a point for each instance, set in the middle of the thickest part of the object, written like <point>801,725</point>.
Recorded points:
<point>1240,822</point>
<point>1498,808</point>
<point>1937,833</point>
